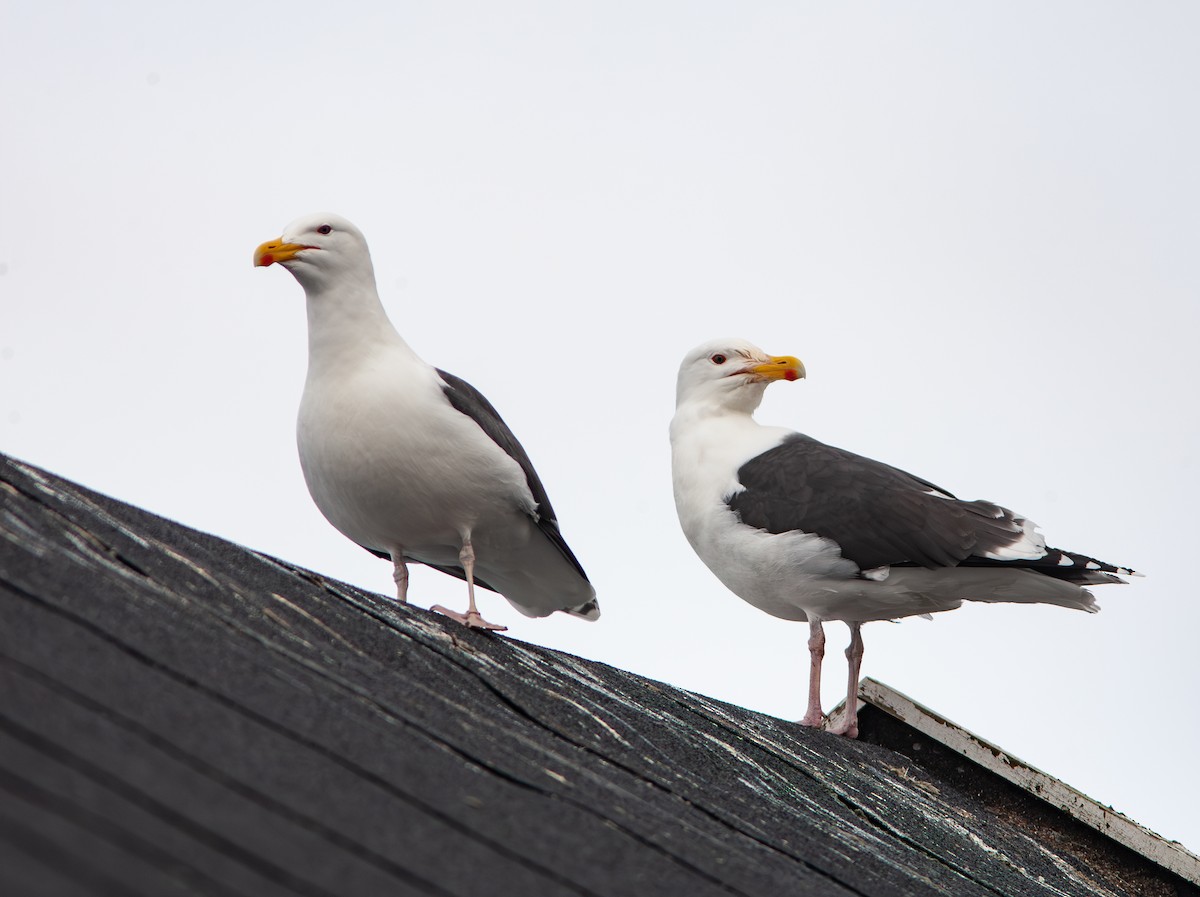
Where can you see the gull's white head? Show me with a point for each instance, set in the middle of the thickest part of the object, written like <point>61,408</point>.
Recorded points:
<point>731,374</point>
<point>319,249</point>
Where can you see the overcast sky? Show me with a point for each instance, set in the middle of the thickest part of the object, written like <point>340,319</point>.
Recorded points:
<point>975,223</point>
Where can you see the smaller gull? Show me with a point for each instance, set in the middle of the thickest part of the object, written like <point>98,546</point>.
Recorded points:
<point>805,531</point>
<point>411,462</point>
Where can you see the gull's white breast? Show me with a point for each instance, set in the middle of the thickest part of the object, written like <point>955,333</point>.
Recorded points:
<point>390,462</point>
<point>781,574</point>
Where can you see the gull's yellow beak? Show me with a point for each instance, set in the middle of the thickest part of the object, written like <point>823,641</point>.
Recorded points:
<point>780,367</point>
<point>276,251</point>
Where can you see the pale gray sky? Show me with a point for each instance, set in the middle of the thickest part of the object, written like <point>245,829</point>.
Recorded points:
<point>975,223</point>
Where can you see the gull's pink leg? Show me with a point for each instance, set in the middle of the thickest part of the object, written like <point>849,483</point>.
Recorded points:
<point>816,652</point>
<point>472,617</point>
<point>400,574</point>
<point>854,653</point>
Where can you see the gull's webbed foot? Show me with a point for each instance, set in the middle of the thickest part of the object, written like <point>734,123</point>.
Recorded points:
<point>472,619</point>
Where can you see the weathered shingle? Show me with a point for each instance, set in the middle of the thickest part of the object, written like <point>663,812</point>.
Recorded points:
<point>180,715</point>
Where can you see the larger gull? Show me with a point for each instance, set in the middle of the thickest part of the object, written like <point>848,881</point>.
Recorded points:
<point>805,531</point>
<point>411,462</point>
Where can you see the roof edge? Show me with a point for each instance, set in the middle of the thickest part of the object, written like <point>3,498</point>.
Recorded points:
<point>1171,855</point>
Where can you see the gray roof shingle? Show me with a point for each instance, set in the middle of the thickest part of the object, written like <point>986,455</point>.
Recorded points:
<point>181,715</point>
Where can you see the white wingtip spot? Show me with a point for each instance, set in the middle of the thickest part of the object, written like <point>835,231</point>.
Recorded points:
<point>1029,545</point>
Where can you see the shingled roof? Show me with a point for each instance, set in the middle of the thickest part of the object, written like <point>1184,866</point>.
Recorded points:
<point>182,715</point>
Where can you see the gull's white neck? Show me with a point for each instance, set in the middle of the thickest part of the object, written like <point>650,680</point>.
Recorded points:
<point>347,324</point>
<point>710,440</point>
<point>718,406</point>
<point>709,429</point>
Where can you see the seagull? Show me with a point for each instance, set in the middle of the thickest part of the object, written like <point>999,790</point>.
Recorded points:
<point>407,460</point>
<point>805,531</point>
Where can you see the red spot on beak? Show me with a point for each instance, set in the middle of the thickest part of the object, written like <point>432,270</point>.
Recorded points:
<point>266,260</point>
<point>789,374</point>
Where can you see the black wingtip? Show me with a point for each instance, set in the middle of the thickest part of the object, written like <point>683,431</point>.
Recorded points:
<point>589,610</point>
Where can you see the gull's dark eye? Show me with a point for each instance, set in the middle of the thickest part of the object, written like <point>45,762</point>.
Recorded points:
<point>324,229</point>
<point>718,359</point>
